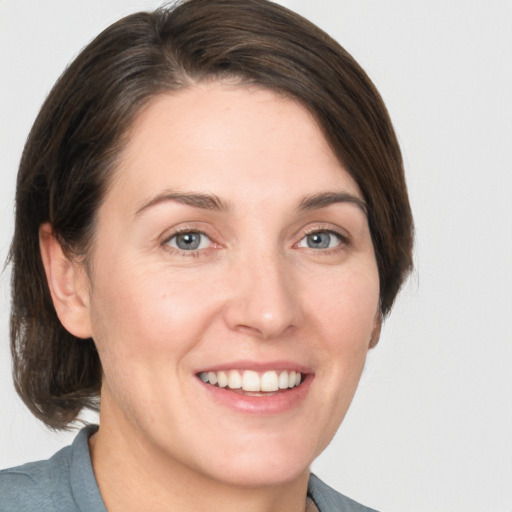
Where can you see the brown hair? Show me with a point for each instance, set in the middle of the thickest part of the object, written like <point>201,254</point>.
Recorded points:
<point>82,126</point>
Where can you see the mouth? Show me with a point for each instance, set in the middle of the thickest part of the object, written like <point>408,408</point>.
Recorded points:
<point>253,383</point>
<point>264,389</point>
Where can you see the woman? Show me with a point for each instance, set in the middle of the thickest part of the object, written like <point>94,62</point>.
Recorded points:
<point>211,223</point>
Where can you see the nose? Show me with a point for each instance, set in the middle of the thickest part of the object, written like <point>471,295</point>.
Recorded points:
<point>263,301</point>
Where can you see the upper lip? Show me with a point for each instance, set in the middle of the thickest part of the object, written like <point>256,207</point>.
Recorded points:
<point>257,366</point>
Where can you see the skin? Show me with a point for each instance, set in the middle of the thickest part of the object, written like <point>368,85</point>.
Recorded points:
<point>254,291</point>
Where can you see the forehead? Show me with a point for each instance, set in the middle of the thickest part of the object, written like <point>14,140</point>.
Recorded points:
<point>234,141</point>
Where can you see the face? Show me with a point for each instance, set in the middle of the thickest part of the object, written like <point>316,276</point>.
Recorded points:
<point>232,249</point>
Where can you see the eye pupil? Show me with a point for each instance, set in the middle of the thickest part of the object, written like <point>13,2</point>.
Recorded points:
<point>319,240</point>
<point>188,241</point>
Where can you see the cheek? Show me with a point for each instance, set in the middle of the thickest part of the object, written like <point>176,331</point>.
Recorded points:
<point>150,315</point>
<point>347,306</point>
<point>144,328</point>
<point>343,314</point>
<point>346,317</point>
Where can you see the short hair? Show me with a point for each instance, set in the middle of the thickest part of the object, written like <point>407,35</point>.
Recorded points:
<point>84,125</point>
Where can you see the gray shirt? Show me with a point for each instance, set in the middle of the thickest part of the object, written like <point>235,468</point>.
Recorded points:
<point>66,483</point>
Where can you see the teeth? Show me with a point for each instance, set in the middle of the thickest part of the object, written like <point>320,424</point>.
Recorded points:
<point>269,381</point>
<point>234,380</point>
<point>222,379</point>
<point>283,380</point>
<point>250,380</point>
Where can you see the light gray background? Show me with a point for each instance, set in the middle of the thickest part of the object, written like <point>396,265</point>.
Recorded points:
<point>431,426</point>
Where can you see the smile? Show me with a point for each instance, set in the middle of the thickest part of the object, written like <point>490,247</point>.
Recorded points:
<point>252,381</point>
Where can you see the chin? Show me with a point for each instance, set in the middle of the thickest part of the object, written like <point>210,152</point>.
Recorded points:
<point>260,475</point>
<point>263,463</point>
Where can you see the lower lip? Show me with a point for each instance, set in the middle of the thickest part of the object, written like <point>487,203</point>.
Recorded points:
<point>274,403</point>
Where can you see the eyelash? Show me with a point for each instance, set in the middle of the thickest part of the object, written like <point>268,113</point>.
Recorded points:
<point>343,238</point>
<point>344,241</point>
<point>192,253</point>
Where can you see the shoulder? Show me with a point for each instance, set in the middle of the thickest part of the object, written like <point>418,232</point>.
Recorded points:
<point>329,500</point>
<point>47,485</point>
<point>28,487</point>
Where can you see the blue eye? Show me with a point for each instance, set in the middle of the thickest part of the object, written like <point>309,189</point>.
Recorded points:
<point>189,241</point>
<point>321,240</point>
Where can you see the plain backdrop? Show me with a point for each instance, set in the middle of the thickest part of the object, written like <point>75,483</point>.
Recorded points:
<point>430,428</point>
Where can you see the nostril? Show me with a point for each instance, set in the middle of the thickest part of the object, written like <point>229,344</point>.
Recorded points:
<point>263,305</point>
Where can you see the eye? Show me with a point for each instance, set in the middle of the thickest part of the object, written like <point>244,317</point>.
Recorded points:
<point>321,240</point>
<point>189,241</point>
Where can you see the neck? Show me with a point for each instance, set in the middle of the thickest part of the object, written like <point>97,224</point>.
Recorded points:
<point>132,476</point>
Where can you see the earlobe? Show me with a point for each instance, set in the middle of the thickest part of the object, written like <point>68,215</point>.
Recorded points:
<point>68,284</point>
<point>374,339</point>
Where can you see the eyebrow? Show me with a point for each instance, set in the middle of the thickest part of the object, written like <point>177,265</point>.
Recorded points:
<point>215,203</point>
<point>195,199</point>
<point>323,199</point>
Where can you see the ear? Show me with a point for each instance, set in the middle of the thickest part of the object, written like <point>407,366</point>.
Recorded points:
<point>377,326</point>
<point>68,284</point>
